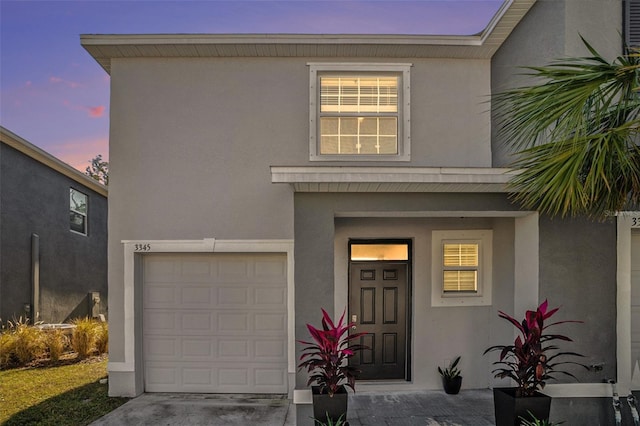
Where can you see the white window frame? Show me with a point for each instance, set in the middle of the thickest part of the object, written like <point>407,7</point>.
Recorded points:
<point>85,215</point>
<point>404,130</point>
<point>482,297</point>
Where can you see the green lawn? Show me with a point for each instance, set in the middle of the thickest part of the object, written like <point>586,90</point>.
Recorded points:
<point>58,395</point>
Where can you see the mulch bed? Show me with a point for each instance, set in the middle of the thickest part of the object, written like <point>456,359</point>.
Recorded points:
<point>67,358</point>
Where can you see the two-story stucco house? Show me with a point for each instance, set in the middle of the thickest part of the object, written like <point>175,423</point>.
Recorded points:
<point>258,178</point>
<point>53,237</point>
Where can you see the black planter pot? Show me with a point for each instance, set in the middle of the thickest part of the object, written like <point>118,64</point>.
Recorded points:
<point>509,409</point>
<point>327,407</point>
<point>452,385</point>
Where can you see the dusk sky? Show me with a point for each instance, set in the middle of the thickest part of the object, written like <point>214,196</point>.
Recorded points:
<point>54,95</point>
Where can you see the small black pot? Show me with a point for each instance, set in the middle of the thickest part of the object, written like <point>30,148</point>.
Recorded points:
<point>327,407</point>
<point>509,408</point>
<point>452,385</point>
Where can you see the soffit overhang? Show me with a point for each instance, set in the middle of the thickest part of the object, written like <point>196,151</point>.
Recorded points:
<point>394,179</point>
<point>105,48</point>
<point>16,142</point>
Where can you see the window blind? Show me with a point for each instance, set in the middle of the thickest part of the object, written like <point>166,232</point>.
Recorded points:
<point>460,267</point>
<point>359,94</point>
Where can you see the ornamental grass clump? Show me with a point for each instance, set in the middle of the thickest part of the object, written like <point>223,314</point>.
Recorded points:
<point>83,338</point>
<point>102,337</point>
<point>326,357</point>
<point>55,342</point>
<point>7,347</point>
<point>28,342</point>
<point>529,360</point>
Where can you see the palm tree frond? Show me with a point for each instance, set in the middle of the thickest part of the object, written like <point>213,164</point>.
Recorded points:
<point>574,135</point>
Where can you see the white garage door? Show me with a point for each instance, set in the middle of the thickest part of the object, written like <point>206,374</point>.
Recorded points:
<point>215,323</point>
<point>635,297</point>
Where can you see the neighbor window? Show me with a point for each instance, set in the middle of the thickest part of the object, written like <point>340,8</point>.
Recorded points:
<point>359,112</point>
<point>461,267</point>
<point>78,211</point>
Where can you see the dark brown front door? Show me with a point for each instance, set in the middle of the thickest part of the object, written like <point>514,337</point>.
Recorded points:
<point>378,304</point>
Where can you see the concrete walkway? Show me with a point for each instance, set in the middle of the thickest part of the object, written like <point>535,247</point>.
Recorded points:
<point>424,408</point>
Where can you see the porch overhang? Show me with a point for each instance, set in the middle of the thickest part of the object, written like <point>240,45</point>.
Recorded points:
<point>393,179</point>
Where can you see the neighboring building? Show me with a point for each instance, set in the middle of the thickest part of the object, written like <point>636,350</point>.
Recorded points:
<point>257,178</point>
<point>53,237</point>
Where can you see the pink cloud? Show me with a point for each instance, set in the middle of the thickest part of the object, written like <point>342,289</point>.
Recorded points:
<point>56,80</point>
<point>92,111</point>
<point>96,112</point>
<point>78,153</point>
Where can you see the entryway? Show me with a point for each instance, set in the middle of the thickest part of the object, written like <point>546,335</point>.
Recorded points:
<point>379,304</point>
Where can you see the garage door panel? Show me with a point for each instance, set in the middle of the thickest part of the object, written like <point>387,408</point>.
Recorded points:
<point>197,295</point>
<point>270,269</point>
<point>269,350</point>
<point>217,323</point>
<point>160,376</point>
<point>196,349</point>
<point>161,269</point>
<point>197,269</point>
<point>233,269</point>
<point>231,350</point>
<point>193,376</point>
<point>270,297</point>
<point>233,322</point>
<point>205,378</point>
<point>160,322</point>
<point>160,293</point>
<point>275,322</point>
<point>265,377</point>
<point>236,295</point>
<point>195,322</point>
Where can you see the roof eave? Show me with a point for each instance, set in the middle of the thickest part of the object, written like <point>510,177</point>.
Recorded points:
<point>393,179</point>
<point>14,141</point>
<point>105,48</point>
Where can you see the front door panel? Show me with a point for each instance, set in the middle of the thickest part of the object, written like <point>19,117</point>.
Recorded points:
<point>378,303</point>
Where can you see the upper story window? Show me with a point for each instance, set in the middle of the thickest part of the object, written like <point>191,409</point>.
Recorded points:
<point>78,211</point>
<point>359,112</point>
<point>632,23</point>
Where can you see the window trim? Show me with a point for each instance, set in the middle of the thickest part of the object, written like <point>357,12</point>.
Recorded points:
<point>85,215</point>
<point>482,297</point>
<point>404,130</point>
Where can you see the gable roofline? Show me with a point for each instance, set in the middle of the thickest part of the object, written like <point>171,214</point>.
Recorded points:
<point>16,142</point>
<point>105,48</point>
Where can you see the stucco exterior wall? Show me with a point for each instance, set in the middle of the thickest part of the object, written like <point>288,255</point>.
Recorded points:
<point>319,235</point>
<point>191,142</point>
<point>34,199</point>
<point>438,333</point>
<point>550,31</point>
<point>578,273</point>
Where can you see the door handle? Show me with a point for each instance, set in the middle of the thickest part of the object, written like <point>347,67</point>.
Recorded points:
<point>354,319</point>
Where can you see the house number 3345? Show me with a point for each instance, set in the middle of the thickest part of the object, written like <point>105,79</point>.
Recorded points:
<point>142,247</point>
<point>635,221</point>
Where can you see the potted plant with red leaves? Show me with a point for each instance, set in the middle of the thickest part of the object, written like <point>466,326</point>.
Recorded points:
<point>530,361</point>
<point>326,360</point>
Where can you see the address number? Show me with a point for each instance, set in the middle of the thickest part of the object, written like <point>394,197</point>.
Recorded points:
<point>635,221</point>
<point>142,247</point>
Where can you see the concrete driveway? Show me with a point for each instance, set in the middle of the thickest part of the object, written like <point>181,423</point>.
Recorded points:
<point>197,409</point>
<point>431,408</point>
